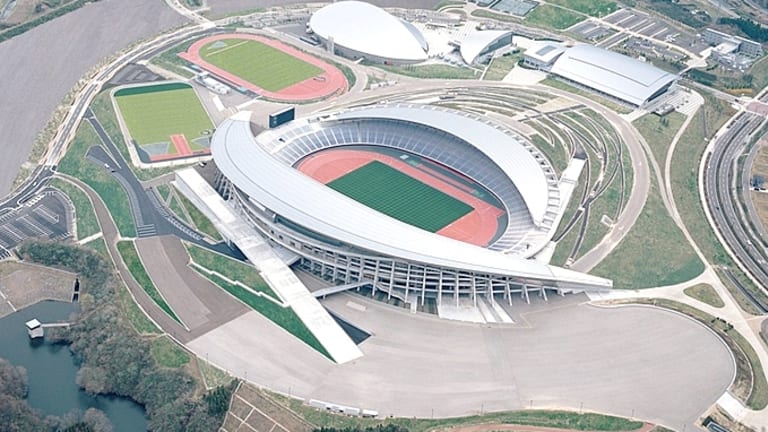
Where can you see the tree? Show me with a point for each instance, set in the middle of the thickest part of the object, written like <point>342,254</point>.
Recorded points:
<point>17,416</point>
<point>92,379</point>
<point>13,380</point>
<point>757,181</point>
<point>97,420</point>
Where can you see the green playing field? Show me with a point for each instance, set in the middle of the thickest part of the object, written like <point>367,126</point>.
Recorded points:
<point>400,196</point>
<point>257,63</point>
<point>155,112</point>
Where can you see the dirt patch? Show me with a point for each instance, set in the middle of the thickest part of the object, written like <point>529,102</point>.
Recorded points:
<point>25,284</point>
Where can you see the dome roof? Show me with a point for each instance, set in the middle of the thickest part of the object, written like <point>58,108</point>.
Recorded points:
<point>368,29</point>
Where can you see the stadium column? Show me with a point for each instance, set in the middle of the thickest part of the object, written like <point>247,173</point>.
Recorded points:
<point>456,289</point>
<point>544,293</point>
<point>376,271</point>
<point>508,292</point>
<point>391,281</point>
<point>423,285</point>
<point>474,290</point>
<point>407,280</point>
<point>525,293</point>
<point>440,287</point>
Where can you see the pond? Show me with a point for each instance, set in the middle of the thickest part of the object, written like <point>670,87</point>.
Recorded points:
<point>51,370</point>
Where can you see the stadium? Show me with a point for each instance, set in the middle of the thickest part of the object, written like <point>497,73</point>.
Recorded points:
<point>413,200</point>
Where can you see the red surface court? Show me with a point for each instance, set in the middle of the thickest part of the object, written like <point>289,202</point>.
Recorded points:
<point>328,83</point>
<point>182,150</point>
<point>477,227</point>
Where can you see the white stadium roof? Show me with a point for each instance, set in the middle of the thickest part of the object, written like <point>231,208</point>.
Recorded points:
<point>243,159</point>
<point>611,73</point>
<point>368,29</point>
<point>476,42</point>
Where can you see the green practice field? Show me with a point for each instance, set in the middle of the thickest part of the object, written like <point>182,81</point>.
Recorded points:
<point>257,63</point>
<point>400,196</point>
<point>155,112</point>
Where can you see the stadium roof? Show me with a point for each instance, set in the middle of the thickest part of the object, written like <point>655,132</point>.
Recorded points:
<point>614,74</point>
<point>476,42</point>
<point>368,29</point>
<point>311,204</point>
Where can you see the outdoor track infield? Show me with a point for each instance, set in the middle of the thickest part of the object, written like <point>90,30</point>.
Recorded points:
<point>400,196</point>
<point>266,67</point>
<point>165,121</point>
<point>418,192</point>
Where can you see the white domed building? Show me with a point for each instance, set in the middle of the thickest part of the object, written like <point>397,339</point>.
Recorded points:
<point>355,29</point>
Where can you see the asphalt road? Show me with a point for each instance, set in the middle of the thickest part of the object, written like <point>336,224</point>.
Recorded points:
<point>42,65</point>
<point>724,206</point>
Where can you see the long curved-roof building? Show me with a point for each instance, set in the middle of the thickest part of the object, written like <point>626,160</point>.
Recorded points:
<point>361,30</point>
<point>613,74</point>
<point>345,241</point>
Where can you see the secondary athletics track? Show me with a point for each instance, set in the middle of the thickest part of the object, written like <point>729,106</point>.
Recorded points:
<point>478,227</point>
<point>330,82</point>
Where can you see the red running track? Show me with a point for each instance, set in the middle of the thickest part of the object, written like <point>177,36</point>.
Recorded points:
<point>181,144</point>
<point>328,83</point>
<point>478,227</point>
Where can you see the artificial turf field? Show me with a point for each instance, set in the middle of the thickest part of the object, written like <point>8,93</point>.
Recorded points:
<point>257,63</point>
<point>155,112</point>
<point>400,196</point>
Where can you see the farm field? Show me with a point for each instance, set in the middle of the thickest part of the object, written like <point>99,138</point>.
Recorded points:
<point>258,63</point>
<point>154,113</point>
<point>400,196</point>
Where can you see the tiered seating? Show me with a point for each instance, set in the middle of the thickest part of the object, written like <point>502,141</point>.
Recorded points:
<point>296,143</point>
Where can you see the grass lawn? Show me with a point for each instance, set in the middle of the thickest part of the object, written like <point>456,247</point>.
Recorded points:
<point>232,269</point>
<point>482,13</point>
<point>114,196</point>
<point>178,209</point>
<point>136,316</point>
<point>258,63</point>
<point>99,246</point>
<point>553,419</point>
<point>198,218</point>
<point>759,72</point>
<point>131,258</point>
<point>596,8</point>
<point>500,66</point>
<point>105,112</point>
<point>87,225</point>
<point>653,253</point>
<point>284,317</point>
<point>389,191</point>
<point>659,132</point>
<point>155,112</point>
<point>167,353</point>
<point>170,60</point>
<point>706,294</point>
<point>164,190</point>
<point>437,71</point>
<point>212,376</point>
<point>553,17</point>
<point>554,151</point>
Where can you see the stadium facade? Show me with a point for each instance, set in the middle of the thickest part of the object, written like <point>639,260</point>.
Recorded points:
<point>346,242</point>
<point>356,29</point>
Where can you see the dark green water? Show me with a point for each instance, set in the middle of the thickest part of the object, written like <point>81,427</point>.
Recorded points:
<point>51,370</point>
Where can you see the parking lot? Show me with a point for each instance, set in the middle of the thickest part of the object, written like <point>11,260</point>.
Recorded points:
<point>654,28</point>
<point>48,215</point>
